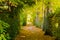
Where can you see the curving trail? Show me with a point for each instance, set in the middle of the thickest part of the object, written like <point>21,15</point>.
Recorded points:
<point>32,33</point>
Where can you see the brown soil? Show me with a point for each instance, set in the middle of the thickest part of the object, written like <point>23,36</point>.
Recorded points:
<point>32,33</point>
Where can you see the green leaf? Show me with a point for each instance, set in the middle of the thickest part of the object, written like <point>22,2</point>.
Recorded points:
<point>0,38</point>
<point>3,37</point>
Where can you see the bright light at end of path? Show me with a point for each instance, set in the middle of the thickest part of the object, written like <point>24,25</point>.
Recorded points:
<point>29,19</point>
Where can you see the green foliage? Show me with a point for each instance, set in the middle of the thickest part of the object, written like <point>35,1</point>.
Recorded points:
<point>13,17</point>
<point>4,35</point>
<point>29,2</point>
<point>3,5</point>
<point>22,19</point>
<point>56,20</point>
<point>54,23</point>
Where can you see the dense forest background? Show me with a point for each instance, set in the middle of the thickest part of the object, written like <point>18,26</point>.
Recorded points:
<point>13,16</point>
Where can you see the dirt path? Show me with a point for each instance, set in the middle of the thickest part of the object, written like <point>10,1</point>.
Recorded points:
<point>32,33</point>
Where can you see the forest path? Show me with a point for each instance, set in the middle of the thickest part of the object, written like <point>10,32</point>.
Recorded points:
<point>32,33</point>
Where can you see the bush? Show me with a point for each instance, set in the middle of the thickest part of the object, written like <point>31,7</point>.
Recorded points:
<point>4,35</point>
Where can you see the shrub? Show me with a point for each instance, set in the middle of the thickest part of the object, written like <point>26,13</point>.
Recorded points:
<point>4,35</point>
